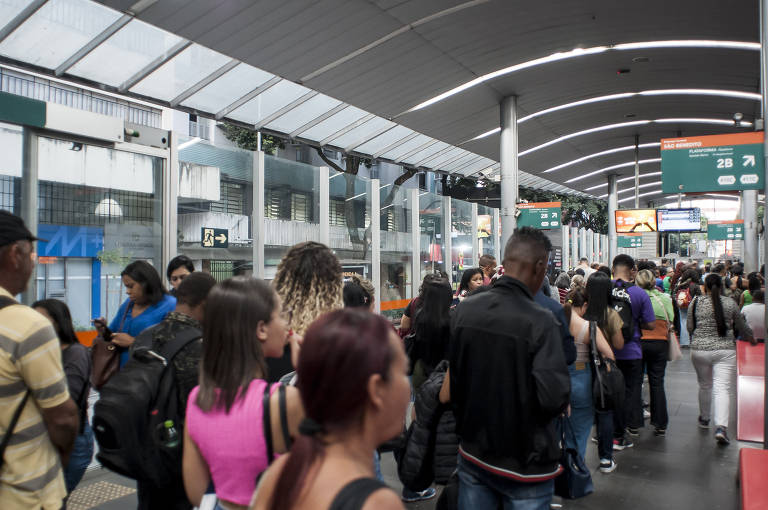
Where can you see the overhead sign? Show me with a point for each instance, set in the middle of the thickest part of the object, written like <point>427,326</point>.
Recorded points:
<point>68,241</point>
<point>541,215</point>
<point>712,163</point>
<point>214,237</point>
<point>630,241</point>
<point>725,230</point>
<point>635,220</point>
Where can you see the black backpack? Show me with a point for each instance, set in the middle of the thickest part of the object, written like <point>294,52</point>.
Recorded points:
<point>129,417</point>
<point>622,303</point>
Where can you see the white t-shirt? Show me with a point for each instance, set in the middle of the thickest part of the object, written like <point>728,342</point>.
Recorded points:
<point>755,316</point>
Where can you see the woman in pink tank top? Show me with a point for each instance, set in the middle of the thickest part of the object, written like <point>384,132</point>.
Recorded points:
<point>223,437</point>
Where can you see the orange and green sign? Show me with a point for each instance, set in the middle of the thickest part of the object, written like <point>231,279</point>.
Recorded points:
<point>541,215</point>
<point>712,163</point>
<point>630,240</point>
<point>725,230</point>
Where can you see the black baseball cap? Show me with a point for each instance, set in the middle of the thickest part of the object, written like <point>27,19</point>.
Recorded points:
<point>12,229</point>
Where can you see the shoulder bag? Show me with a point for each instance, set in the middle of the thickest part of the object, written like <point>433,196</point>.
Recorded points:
<point>674,352</point>
<point>105,356</point>
<point>575,481</point>
<point>608,382</point>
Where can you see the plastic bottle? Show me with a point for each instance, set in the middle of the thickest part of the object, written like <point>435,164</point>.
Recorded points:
<point>170,435</point>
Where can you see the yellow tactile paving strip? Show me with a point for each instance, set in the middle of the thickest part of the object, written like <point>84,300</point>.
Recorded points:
<point>95,494</point>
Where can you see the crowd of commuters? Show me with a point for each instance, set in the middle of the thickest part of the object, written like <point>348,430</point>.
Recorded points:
<point>284,393</point>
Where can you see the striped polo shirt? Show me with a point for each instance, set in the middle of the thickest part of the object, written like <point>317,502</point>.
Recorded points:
<point>30,357</point>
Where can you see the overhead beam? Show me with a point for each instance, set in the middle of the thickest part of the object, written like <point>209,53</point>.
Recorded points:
<point>250,95</point>
<point>93,44</point>
<point>370,137</point>
<point>197,87</point>
<point>20,18</point>
<point>154,65</point>
<point>317,120</point>
<point>285,109</point>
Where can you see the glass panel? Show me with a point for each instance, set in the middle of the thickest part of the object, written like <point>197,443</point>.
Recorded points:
<point>360,133</point>
<point>487,231</point>
<point>100,209</point>
<point>350,222</point>
<point>443,158</point>
<point>181,72</point>
<point>406,147</point>
<point>461,239</point>
<point>292,208</point>
<point>10,168</point>
<point>384,140</point>
<point>480,164</point>
<point>124,54</point>
<point>267,103</point>
<point>303,113</point>
<point>396,251</point>
<point>56,31</point>
<point>424,154</point>
<point>334,123</point>
<point>431,225</point>
<point>460,163</point>
<point>9,9</point>
<point>216,192</point>
<point>228,88</point>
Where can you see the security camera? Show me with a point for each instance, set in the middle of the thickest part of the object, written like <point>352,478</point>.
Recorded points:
<point>737,117</point>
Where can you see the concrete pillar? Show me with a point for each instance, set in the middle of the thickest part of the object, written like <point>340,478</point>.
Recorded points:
<point>473,236</point>
<point>508,153</point>
<point>575,246</point>
<point>376,242</point>
<point>29,187</point>
<point>613,204</point>
<point>498,249</point>
<point>325,206</point>
<point>447,238</point>
<point>257,216</point>
<point>566,247</point>
<point>749,215</point>
<point>413,200</point>
<point>583,251</point>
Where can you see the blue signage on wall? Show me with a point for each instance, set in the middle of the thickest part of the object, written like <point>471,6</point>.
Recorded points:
<point>68,241</point>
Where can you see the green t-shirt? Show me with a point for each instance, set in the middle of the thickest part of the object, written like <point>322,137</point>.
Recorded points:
<point>667,284</point>
<point>661,303</point>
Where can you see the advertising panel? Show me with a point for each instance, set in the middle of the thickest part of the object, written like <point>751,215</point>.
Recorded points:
<point>635,220</point>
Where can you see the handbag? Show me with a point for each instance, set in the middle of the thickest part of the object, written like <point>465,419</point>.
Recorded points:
<point>575,480</point>
<point>674,353</point>
<point>105,357</point>
<point>608,382</point>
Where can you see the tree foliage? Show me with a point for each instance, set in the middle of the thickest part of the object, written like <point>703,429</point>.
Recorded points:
<point>248,139</point>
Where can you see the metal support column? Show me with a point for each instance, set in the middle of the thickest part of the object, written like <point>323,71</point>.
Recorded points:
<point>170,239</point>
<point>257,217</point>
<point>325,207</point>
<point>637,171</point>
<point>566,247</point>
<point>498,249</point>
<point>613,204</point>
<point>28,210</point>
<point>413,200</point>
<point>508,151</point>
<point>447,238</point>
<point>575,245</point>
<point>583,251</point>
<point>764,91</point>
<point>749,215</point>
<point>376,242</point>
<point>473,236</point>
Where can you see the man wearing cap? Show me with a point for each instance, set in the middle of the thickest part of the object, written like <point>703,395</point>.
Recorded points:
<point>32,385</point>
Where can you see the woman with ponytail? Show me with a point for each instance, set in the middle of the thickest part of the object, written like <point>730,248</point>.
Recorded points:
<point>714,323</point>
<point>329,466</point>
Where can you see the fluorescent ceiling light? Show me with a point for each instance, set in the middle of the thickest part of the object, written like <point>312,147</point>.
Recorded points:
<point>641,195</point>
<point>603,153</point>
<point>580,52</point>
<point>624,179</point>
<point>614,167</point>
<point>356,196</point>
<point>484,135</point>
<point>626,190</point>
<point>189,143</point>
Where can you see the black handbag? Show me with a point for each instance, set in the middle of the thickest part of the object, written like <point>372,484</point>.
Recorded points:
<point>575,481</point>
<point>608,381</point>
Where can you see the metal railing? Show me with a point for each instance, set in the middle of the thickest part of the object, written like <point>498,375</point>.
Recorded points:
<point>200,130</point>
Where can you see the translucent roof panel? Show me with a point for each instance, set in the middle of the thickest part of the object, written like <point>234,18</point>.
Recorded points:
<point>384,140</point>
<point>480,164</point>
<point>361,133</point>
<point>265,104</point>
<point>124,54</point>
<point>56,31</point>
<point>334,123</point>
<point>303,113</point>
<point>438,161</point>
<point>406,147</point>
<point>9,9</point>
<point>425,153</point>
<point>225,90</point>
<point>460,163</point>
<point>181,72</point>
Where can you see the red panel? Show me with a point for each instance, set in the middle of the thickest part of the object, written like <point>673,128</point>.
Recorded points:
<point>750,387</point>
<point>751,359</point>
<point>753,472</point>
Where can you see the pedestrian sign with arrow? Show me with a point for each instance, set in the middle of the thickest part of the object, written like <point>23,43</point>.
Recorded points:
<point>214,237</point>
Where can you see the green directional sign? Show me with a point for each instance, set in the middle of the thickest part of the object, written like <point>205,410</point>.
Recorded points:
<point>214,237</point>
<point>712,163</point>
<point>625,241</point>
<point>725,230</point>
<point>541,215</point>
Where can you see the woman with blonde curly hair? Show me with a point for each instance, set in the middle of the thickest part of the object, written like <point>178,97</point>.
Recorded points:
<point>309,283</point>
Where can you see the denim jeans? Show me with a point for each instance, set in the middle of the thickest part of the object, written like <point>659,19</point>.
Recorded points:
<point>685,339</point>
<point>582,413</point>
<point>604,427</point>
<point>480,490</point>
<point>81,456</point>
<point>655,354</point>
<point>632,413</point>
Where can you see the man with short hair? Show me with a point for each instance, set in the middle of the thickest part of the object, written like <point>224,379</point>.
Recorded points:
<point>487,264</point>
<point>508,384</point>
<point>31,379</point>
<point>629,359</point>
<point>584,266</point>
<point>191,297</point>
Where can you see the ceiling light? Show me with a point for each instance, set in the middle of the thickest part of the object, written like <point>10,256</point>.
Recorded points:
<point>614,167</point>
<point>626,190</point>
<point>598,154</point>
<point>640,195</point>
<point>484,135</point>
<point>108,208</point>
<point>624,179</point>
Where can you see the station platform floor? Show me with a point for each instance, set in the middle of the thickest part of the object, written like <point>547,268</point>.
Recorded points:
<point>684,470</point>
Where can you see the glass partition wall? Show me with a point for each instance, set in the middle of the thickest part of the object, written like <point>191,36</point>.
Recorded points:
<point>396,250</point>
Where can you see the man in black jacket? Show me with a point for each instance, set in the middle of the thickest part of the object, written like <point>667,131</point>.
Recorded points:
<point>508,383</point>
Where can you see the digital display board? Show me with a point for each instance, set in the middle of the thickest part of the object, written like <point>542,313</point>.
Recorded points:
<point>679,220</point>
<point>635,220</point>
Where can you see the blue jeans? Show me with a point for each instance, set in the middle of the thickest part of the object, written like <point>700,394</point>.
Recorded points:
<point>481,490</point>
<point>582,413</point>
<point>81,456</point>
<point>685,339</point>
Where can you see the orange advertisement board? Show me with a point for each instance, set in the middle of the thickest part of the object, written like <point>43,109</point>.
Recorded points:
<point>695,142</point>
<point>635,220</point>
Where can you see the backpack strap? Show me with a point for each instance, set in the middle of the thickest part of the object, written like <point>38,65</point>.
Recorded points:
<point>284,417</point>
<point>354,495</point>
<point>267,423</point>
<point>184,338</point>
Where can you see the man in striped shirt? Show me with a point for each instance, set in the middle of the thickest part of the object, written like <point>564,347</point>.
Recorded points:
<point>30,361</point>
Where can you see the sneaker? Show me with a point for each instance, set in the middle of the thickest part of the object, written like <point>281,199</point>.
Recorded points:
<point>646,414</point>
<point>411,497</point>
<point>621,444</point>
<point>595,439</point>
<point>659,432</point>
<point>632,431</point>
<point>721,437</point>
<point>607,465</point>
<point>704,424</point>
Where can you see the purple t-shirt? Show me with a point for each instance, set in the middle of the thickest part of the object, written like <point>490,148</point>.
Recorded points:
<point>642,311</point>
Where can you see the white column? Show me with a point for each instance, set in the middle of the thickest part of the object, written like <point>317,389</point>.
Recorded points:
<point>258,225</point>
<point>29,189</point>
<point>498,249</point>
<point>325,206</point>
<point>508,152</point>
<point>376,242</point>
<point>447,238</point>
<point>575,245</point>
<point>749,215</point>
<point>583,252</point>
<point>473,236</point>
<point>613,203</point>
<point>566,247</point>
<point>170,209</point>
<point>413,200</point>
